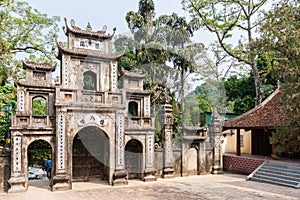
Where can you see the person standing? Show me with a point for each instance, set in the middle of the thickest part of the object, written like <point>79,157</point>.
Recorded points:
<point>48,167</point>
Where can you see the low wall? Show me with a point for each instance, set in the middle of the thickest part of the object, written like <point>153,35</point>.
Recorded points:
<point>240,164</point>
<point>158,161</point>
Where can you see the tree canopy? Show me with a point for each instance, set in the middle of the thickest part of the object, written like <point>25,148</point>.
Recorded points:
<point>228,19</point>
<point>25,30</point>
<point>280,42</point>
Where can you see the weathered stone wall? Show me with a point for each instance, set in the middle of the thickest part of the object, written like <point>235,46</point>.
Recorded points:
<point>158,161</point>
<point>4,170</point>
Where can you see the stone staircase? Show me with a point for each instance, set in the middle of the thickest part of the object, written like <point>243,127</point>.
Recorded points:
<point>276,172</point>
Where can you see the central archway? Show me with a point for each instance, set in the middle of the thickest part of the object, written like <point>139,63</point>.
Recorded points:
<point>90,154</point>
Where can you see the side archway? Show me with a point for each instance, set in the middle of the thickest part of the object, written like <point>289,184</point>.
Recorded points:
<point>39,159</point>
<point>133,159</point>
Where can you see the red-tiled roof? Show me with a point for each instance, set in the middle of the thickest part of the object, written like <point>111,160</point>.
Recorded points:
<point>39,66</point>
<point>88,33</point>
<point>269,114</point>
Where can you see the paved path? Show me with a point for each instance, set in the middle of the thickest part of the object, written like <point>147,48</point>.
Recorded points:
<point>204,187</point>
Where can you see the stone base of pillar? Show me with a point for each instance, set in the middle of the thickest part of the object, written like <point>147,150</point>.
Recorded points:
<point>61,182</point>
<point>17,184</point>
<point>168,173</point>
<point>149,175</point>
<point>217,169</point>
<point>120,178</point>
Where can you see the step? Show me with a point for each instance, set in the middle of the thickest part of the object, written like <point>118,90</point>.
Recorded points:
<point>271,171</point>
<point>281,176</point>
<point>291,170</point>
<point>283,165</point>
<point>280,180</point>
<point>274,182</point>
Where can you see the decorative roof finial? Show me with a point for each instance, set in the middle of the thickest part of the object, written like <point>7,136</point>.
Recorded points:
<point>72,22</point>
<point>89,27</point>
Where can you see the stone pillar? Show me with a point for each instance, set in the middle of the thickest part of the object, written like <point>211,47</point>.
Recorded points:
<point>119,176</point>
<point>4,169</point>
<point>17,179</point>
<point>215,130</point>
<point>201,158</point>
<point>167,117</point>
<point>149,169</point>
<point>61,179</point>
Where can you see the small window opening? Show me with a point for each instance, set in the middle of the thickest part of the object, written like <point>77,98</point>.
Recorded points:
<point>39,106</point>
<point>132,109</point>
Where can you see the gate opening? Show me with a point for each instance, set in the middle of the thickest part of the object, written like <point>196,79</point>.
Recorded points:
<point>90,155</point>
<point>39,157</point>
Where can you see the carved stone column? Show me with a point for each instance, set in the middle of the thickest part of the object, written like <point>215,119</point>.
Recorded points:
<point>215,130</point>
<point>167,117</point>
<point>61,179</point>
<point>119,176</point>
<point>17,179</point>
<point>149,169</point>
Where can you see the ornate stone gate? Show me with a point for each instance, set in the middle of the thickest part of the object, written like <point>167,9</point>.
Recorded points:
<point>86,113</point>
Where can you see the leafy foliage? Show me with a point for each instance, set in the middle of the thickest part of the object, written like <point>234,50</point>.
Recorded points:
<point>225,19</point>
<point>280,40</point>
<point>240,93</point>
<point>23,30</point>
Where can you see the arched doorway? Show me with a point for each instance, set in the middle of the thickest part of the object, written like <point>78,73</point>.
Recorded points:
<point>90,155</point>
<point>38,152</point>
<point>133,158</point>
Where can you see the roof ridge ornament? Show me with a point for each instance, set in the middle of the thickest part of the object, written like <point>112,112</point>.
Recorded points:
<point>89,27</point>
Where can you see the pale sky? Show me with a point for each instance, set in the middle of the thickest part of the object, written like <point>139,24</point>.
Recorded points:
<point>110,12</point>
<point>98,12</point>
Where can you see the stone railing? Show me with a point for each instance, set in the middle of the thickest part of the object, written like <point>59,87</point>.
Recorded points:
<point>33,121</point>
<point>136,122</point>
<point>65,96</point>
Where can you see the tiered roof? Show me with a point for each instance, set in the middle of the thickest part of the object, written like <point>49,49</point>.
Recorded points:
<point>88,33</point>
<point>38,66</point>
<point>86,52</point>
<point>268,115</point>
<point>133,74</point>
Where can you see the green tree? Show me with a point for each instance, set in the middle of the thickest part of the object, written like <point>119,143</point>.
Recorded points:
<point>280,41</point>
<point>227,18</point>
<point>25,30</point>
<point>240,93</point>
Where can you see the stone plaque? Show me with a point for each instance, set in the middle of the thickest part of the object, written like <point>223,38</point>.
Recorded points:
<point>66,75</point>
<point>168,144</point>
<point>17,154</point>
<point>120,138</point>
<point>150,149</point>
<point>61,142</point>
<point>91,119</point>
<point>22,101</point>
<point>114,77</point>
<point>147,107</point>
